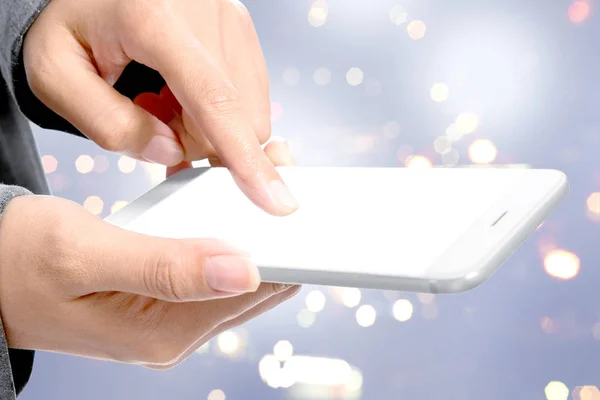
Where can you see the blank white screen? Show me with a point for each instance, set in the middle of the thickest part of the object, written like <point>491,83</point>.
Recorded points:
<point>381,221</point>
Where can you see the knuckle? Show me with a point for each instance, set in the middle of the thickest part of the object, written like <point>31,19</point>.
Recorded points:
<point>164,276</point>
<point>39,69</point>
<point>222,100</point>
<point>148,18</point>
<point>114,136</point>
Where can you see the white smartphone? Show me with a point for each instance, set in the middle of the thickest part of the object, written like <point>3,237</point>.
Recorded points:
<point>438,230</point>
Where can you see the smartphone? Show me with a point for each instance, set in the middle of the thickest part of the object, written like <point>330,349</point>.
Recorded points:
<point>436,230</point>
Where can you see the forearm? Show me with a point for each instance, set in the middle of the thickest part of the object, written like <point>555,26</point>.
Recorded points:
<point>15,365</point>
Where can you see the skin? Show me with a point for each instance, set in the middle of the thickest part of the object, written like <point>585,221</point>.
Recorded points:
<point>72,283</point>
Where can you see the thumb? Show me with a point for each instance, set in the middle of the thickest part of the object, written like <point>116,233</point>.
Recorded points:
<point>67,82</point>
<point>172,269</point>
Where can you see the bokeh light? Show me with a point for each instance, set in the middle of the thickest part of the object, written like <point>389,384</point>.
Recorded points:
<point>283,350</point>
<point>593,205</point>
<point>351,297</point>
<point>404,153</point>
<point>216,394</point>
<point>84,164</point>
<point>442,144</point>
<point>315,301</point>
<point>482,151</point>
<point>306,318</point>
<point>402,310</point>
<point>317,16</point>
<point>561,264</point>
<point>398,14</point>
<point>466,122</point>
<point>228,342</point>
<point>453,133</point>
<point>429,311</point>
<point>50,164</point>
<point>354,76</point>
<point>365,315</point>
<point>450,158</point>
<point>322,76</point>
<point>579,11</point>
<point>556,390</point>
<point>549,325</point>
<point>268,366</point>
<point>416,29</point>
<point>355,382</point>
<point>418,162</point>
<point>588,392</point>
<point>426,298</point>
<point>276,111</point>
<point>439,92</point>
<point>94,204</point>
<point>127,164</point>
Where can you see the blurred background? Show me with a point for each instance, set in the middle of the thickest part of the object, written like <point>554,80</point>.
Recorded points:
<point>417,83</point>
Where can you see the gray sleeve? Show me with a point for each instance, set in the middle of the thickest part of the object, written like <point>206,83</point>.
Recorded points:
<point>16,16</point>
<point>8,388</point>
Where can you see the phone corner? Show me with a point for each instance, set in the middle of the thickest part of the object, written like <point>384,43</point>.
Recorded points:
<point>560,177</point>
<point>457,285</point>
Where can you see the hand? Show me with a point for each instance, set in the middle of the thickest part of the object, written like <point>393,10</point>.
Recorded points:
<point>72,283</point>
<point>208,53</point>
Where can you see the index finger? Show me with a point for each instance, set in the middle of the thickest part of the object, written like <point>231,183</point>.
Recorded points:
<point>209,97</point>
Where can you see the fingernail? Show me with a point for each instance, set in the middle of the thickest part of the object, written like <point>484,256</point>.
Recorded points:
<point>282,195</point>
<point>232,274</point>
<point>278,139</point>
<point>289,158</point>
<point>163,150</point>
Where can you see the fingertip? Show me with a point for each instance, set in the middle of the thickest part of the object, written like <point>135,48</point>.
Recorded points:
<point>282,196</point>
<point>231,274</point>
<point>163,150</point>
<point>271,194</point>
<point>279,152</point>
